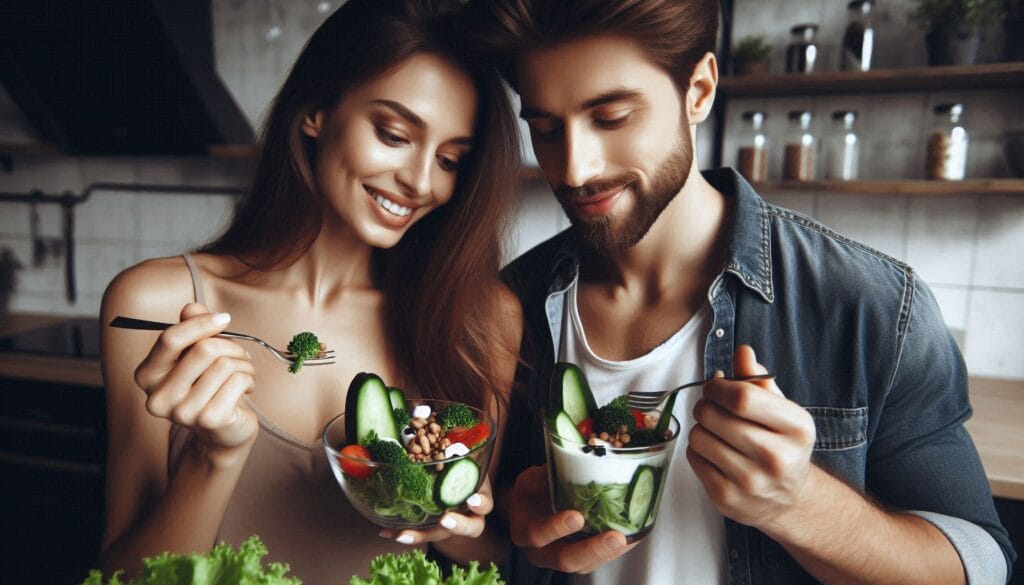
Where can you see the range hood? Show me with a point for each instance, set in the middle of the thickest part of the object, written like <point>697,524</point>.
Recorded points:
<point>118,76</point>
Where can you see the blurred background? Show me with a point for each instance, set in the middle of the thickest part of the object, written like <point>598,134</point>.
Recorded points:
<point>126,132</point>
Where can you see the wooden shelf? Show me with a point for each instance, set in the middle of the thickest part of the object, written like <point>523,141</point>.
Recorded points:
<point>899,187</point>
<point>988,76</point>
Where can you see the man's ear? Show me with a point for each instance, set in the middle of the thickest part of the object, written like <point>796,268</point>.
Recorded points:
<point>703,84</point>
<point>312,122</point>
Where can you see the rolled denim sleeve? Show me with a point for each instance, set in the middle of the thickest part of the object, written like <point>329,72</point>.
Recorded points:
<point>981,555</point>
<point>921,457</point>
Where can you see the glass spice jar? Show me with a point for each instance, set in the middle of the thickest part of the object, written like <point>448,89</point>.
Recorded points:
<point>798,160</point>
<point>843,147</point>
<point>752,158</point>
<point>859,39</point>
<point>802,52</point>
<point>946,156</point>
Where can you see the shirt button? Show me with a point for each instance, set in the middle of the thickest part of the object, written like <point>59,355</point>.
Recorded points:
<point>719,333</point>
<point>734,554</point>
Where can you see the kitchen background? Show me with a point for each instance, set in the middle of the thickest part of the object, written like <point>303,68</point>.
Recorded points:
<point>968,247</point>
<point>967,243</point>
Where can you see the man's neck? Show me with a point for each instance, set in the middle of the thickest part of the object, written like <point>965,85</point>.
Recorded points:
<point>686,244</point>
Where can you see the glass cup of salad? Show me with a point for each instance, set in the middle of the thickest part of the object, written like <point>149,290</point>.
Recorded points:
<point>609,463</point>
<point>403,464</point>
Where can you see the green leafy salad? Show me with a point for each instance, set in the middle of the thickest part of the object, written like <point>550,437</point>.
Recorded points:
<point>223,565</point>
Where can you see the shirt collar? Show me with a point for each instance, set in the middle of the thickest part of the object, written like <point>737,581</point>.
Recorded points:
<point>749,254</point>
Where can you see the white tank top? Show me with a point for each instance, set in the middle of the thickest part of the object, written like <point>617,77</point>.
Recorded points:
<point>687,544</point>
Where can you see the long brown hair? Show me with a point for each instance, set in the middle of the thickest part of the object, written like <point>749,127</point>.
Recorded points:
<point>439,281</point>
<point>675,34</point>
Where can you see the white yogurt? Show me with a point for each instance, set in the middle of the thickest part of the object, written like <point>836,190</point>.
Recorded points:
<point>574,466</point>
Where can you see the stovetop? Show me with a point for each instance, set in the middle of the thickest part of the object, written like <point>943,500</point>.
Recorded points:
<point>75,337</point>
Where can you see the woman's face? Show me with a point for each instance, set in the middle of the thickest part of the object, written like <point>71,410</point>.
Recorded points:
<point>389,152</point>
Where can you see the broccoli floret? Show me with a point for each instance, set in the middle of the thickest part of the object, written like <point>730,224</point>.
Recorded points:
<point>410,482</point>
<point>612,416</point>
<point>456,415</point>
<point>304,346</point>
<point>644,437</point>
<point>386,451</point>
<point>620,402</point>
<point>402,417</point>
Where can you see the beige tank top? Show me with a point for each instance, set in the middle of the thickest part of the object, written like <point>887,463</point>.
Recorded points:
<point>288,496</point>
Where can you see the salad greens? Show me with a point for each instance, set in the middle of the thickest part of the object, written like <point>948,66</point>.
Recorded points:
<point>222,565</point>
<point>603,505</point>
<point>407,494</point>
<point>413,568</point>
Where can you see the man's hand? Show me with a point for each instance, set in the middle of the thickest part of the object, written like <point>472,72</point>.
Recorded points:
<point>538,532</point>
<point>751,447</point>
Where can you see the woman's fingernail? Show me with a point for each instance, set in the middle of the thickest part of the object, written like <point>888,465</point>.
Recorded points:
<point>404,539</point>
<point>474,500</point>
<point>449,522</point>
<point>385,534</point>
<point>221,319</point>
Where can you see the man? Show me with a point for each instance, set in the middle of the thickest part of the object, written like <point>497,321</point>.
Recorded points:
<point>853,465</point>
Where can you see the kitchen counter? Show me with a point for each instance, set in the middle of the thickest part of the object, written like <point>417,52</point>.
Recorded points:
<point>997,426</point>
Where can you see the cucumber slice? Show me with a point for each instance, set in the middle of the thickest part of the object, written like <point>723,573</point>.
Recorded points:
<point>368,409</point>
<point>565,428</point>
<point>397,398</point>
<point>570,392</point>
<point>640,495</point>
<point>456,482</point>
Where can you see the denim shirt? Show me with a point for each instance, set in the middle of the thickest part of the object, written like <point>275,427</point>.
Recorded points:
<point>852,335</point>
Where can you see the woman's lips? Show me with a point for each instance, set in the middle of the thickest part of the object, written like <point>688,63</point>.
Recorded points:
<point>388,211</point>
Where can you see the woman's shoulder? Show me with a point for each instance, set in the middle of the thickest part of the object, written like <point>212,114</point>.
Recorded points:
<point>151,287</point>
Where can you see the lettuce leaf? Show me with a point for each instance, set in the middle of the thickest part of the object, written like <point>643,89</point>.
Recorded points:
<point>413,568</point>
<point>220,566</point>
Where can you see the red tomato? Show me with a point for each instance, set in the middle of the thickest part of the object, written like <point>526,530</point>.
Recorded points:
<point>639,418</point>
<point>471,436</point>
<point>586,427</point>
<point>350,466</point>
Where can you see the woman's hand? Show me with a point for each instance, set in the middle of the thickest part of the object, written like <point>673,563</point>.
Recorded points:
<point>196,380</point>
<point>452,524</point>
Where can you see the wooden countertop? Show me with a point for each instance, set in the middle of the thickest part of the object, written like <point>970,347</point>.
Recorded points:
<point>997,426</point>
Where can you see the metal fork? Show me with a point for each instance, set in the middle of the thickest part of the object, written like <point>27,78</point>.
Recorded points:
<point>648,400</point>
<point>284,356</point>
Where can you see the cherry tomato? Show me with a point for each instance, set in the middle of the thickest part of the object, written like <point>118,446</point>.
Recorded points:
<point>639,418</point>
<point>586,427</point>
<point>349,464</point>
<point>470,436</point>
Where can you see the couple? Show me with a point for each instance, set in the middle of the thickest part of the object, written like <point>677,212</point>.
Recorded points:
<point>389,161</point>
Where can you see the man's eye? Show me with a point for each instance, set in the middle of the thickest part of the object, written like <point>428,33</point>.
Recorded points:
<point>544,129</point>
<point>390,138</point>
<point>612,123</point>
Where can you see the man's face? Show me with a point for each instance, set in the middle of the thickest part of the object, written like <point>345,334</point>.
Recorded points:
<point>610,131</point>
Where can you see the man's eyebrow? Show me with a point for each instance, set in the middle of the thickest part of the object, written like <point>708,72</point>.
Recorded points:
<point>402,111</point>
<point>608,97</point>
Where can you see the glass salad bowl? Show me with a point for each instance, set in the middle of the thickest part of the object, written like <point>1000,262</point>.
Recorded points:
<point>615,488</point>
<point>424,472</point>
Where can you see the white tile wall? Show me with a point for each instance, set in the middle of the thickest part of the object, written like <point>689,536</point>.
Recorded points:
<point>969,249</point>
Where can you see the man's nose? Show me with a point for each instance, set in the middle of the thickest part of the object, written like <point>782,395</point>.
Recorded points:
<point>584,157</point>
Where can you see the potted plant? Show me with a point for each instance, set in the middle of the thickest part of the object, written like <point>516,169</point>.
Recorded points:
<point>750,56</point>
<point>954,27</point>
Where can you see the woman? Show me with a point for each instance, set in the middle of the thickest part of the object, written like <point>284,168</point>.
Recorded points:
<point>374,221</point>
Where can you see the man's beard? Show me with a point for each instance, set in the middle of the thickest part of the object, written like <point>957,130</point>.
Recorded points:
<point>601,234</point>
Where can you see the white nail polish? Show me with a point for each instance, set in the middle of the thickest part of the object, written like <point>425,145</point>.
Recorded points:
<point>221,319</point>
<point>449,522</point>
<point>474,500</point>
<point>404,539</point>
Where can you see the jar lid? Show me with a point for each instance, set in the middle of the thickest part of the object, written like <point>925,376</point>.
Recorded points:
<point>949,109</point>
<point>840,114</point>
<point>801,28</point>
<point>858,4</point>
<point>797,114</point>
<point>749,115</point>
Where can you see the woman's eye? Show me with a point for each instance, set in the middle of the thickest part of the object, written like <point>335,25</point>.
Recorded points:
<point>544,129</point>
<point>390,138</point>
<point>447,165</point>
